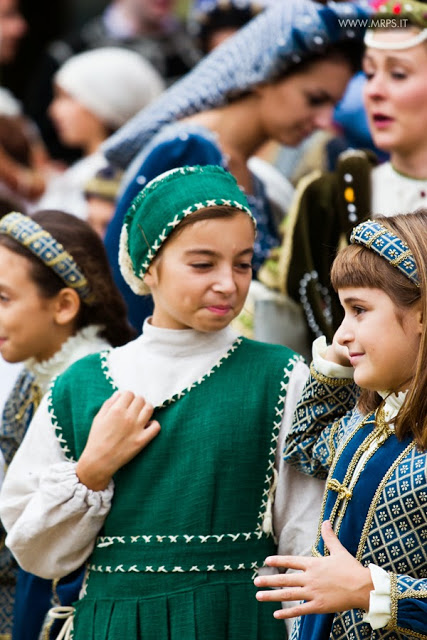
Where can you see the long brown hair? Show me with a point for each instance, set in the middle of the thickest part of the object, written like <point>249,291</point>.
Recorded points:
<point>358,266</point>
<point>78,238</point>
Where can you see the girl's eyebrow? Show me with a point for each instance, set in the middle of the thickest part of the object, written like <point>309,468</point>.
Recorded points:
<point>209,252</point>
<point>352,300</point>
<point>389,60</point>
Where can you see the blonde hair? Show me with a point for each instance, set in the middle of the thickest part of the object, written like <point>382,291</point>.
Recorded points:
<point>358,266</point>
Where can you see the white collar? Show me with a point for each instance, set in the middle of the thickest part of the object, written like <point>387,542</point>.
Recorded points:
<point>387,171</point>
<point>393,403</point>
<point>184,342</point>
<point>76,346</point>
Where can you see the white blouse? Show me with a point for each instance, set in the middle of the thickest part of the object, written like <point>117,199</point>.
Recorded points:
<point>394,193</point>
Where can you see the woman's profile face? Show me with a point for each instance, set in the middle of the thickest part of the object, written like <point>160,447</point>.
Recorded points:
<point>395,95</point>
<point>75,124</point>
<point>294,107</point>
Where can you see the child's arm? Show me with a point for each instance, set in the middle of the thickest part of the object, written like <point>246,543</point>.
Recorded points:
<point>52,518</point>
<point>339,582</point>
<point>323,411</point>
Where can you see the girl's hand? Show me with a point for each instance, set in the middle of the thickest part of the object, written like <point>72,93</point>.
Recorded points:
<point>334,583</point>
<point>337,353</point>
<point>120,430</point>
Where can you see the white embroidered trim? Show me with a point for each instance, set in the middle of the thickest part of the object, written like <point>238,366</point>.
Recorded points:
<point>106,369</point>
<point>180,394</point>
<point>126,266</point>
<point>58,429</point>
<point>108,541</point>
<point>265,515</point>
<point>176,569</point>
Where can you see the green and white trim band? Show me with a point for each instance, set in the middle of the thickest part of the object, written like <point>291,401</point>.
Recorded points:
<point>160,207</point>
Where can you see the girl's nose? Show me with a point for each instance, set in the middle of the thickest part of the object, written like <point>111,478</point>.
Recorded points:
<point>225,283</point>
<point>344,334</point>
<point>324,118</point>
<point>374,88</point>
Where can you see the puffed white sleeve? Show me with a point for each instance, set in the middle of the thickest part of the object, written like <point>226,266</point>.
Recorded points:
<point>51,518</point>
<point>298,496</point>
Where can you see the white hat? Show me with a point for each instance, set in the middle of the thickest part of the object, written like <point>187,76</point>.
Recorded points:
<point>111,82</point>
<point>9,105</point>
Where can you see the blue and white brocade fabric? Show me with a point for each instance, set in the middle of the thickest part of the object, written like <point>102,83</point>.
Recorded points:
<point>379,512</point>
<point>270,44</point>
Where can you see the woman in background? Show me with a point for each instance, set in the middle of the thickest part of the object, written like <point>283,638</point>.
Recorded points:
<point>294,54</point>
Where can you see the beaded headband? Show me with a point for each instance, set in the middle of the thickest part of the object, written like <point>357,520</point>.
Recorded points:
<point>392,14</point>
<point>162,205</point>
<point>28,233</point>
<point>385,243</point>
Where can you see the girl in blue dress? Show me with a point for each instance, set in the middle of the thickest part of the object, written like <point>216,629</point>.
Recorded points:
<point>362,423</point>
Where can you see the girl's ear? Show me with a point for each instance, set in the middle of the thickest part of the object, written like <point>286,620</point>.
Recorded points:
<point>151,277</point>
<point>67,306</point>
<point>417,319</point>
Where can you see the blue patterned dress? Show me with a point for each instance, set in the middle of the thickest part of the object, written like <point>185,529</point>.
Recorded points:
<point>376,500</point>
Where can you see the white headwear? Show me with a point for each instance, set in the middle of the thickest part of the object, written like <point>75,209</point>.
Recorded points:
<point>111,82</point>
<point>9,105</point>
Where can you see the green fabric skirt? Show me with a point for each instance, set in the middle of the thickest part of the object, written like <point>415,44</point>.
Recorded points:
<point>174,609</point>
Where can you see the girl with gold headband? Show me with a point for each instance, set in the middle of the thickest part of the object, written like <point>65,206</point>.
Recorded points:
<point>58,303</point>
<point>327,206</point>
<point>362,423</point>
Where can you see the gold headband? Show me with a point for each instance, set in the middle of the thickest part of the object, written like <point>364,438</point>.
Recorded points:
<point>43,245</point>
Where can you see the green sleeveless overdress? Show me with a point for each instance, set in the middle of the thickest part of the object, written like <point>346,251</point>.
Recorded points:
<point>177,554</point>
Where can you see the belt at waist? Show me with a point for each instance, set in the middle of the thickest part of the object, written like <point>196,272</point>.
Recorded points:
<point>181,553</point>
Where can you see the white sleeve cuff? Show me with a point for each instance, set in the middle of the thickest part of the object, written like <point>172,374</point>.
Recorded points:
<point>326,367</point>
<point>379,613</point>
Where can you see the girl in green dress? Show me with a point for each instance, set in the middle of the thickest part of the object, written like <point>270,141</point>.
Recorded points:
<point>158,463</point>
